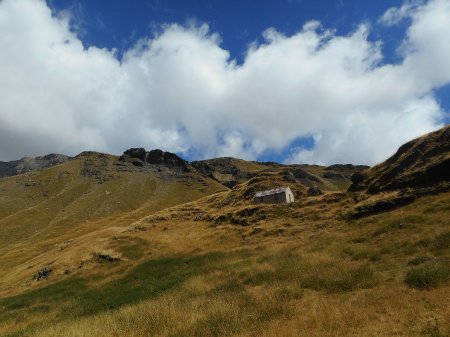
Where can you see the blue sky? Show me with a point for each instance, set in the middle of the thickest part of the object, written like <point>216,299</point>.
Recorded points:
<point>119,24</point>
<point>288,81</point>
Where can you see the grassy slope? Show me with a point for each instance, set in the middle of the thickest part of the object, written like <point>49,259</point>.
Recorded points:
<point>290,270</point>
<point>41,211</point>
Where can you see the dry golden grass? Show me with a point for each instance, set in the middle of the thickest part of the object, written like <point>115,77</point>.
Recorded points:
<point>212,268</point>
<point>221,303</point>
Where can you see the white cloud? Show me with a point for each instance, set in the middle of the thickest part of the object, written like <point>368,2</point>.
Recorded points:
<point>181,92</point>
<point>396,14</point>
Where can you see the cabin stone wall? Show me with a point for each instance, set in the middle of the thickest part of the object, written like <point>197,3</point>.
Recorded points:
<point>278,198</point>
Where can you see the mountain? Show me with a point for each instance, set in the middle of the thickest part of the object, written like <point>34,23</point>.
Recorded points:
<point>28,164</point>
<point>147,244</point>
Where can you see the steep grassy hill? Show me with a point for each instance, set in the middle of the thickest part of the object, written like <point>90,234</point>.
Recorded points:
<point>42,210</point>
<point>363,262</point>
<point>424,161</point>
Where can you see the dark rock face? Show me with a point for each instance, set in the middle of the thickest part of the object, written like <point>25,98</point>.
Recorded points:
<point>382,206</point>
<point>138,153</point>
<point>28,164</point>
<point>203,167</point>
<point>314,191</point>
<point>136,156</point>
<point>301,174</point>
<point>140,157</point>
<point>304,177</point>
<point>357,180</point>
<point>168,159</point>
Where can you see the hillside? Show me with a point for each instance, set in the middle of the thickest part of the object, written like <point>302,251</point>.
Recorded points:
<point>421,162</point>
<point>363,262</point>
<point>43,209</point>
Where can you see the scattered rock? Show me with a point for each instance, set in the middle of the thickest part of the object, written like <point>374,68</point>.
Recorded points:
<point>42,274</point>
<point>199,217</point>
<point>105,257</point>
<point>314,191</point>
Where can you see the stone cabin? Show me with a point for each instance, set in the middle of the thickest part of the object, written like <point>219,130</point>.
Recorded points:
<point>279,195</point>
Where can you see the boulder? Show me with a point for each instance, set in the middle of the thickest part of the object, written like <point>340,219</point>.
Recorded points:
<point>314,191</point>
<point>42,274</point>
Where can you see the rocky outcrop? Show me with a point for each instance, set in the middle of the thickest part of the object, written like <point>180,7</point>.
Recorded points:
<point>140,157</point>
<point>28,164</point>
<point>419,163</point>
<point>224,170</point>
<point>343,171</point>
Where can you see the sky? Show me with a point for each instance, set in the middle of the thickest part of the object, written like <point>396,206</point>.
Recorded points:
<point>293,81</point>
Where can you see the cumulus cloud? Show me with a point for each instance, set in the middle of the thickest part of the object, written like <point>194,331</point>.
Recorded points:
<point>180,91</point>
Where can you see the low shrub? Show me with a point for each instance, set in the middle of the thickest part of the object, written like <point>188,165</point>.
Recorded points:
<point>419,260</point>
<point>429,275</point>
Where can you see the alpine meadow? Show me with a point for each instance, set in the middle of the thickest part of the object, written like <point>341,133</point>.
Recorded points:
<point>224,168</point>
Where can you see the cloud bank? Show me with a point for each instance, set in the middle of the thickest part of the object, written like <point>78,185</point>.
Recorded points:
<point>180,91</point>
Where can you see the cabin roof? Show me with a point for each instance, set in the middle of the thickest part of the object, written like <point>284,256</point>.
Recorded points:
<point>270,192</point>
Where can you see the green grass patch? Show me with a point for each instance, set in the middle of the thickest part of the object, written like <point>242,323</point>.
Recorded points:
<point>323,275</point>
<point>132,248</point>
<point>78,297</point>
